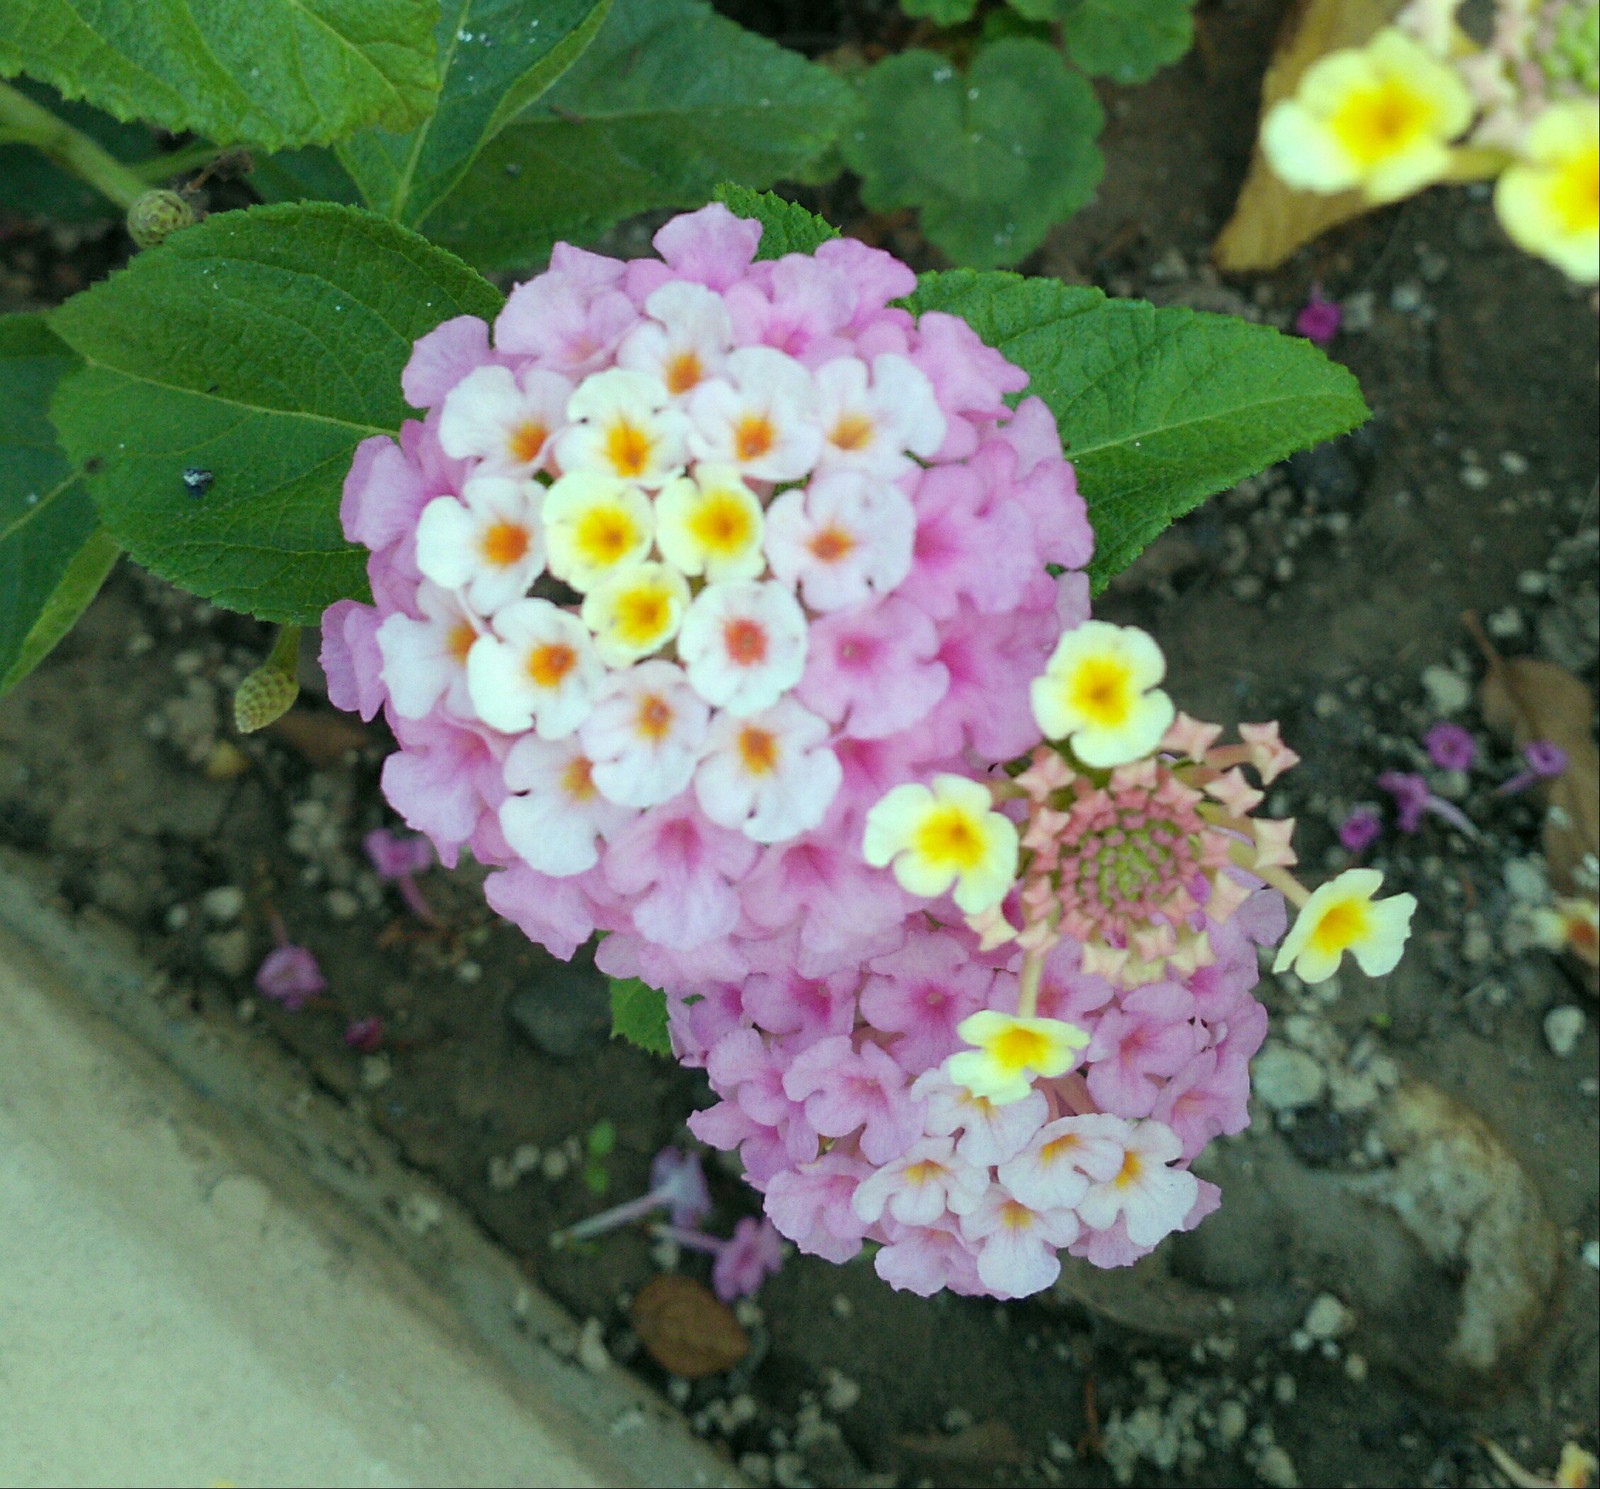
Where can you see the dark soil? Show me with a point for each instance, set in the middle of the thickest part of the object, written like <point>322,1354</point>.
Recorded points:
<point>1319,593</point>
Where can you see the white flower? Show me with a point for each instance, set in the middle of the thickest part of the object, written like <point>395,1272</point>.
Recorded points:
<point>770,776</point>
<point>925,1182</point>
<point>503,419</point>
<point>556,815</point>
<point>1151,1198</point>
<point>1343,916</point>
<point>644,734</point>
<point>1054,1171</point>
<point>843,540</point>
<point>620,428</point>
<point>743,645</point>
<point>595,525</point>
<point>538,669</point>
<point>635,611</point>
<point>942,836</point>
<point>426,659</point>
<point>871,429</point>
<point>686,340</point>
<point>710,522</point>
<point>1017,1244</point>
<point>1099,691</point>
<point>759,416</point>
<point>991,1133</point>
<point>487,546</point>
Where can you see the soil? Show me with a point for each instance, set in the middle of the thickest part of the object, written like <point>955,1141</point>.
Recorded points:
<point>1326,593</point>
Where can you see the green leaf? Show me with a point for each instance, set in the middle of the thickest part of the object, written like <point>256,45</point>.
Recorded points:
<point>261,346</point>
<point>266,72</point>
<point>639,1015</point>
<point>940,12</point>
<point>786,227</point>
<point>1157,409</point>
<point>32,185</point>
<point>495,58</point>
<point>1128,41</point>
<point>668,101</point>
<point>53,556</point>
<point>991,159</point>
<point>310,175</point>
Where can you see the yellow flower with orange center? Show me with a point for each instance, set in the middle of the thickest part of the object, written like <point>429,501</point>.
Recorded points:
<point>635,612</point>
<point>1099,692</point>
<point>711,523</point>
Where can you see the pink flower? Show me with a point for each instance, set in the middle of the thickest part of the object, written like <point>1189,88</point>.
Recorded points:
<point>1318,320</point>
<point>925,1182</point>
<point>682,869</point>
<point>1450,747</point>
<point>1017,1244</point>
<point>290,975</point>
<point>1360,830</point>
<point>1150,1197</point>
<point>924,1259</point>
<point>921,993</point>
<point>855,1090</point>
<point>811,1205</point>
<point>1143,1038</point>
<point>871,669</point>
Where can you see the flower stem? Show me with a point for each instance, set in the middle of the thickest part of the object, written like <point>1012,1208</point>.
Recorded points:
<point>693,1239</point>
<point>22,119</point>
<point>1028,984</point>
<point>595,1225</point>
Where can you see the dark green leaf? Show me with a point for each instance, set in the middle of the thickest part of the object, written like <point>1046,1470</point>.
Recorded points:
<point>991,158</point>
<point>310,175</point>
<point>31,185</point>
<point>1126,40</point>
<point>53,556</point>
<point>1158,409</point>
<point>261,346</point>
<point>267,72</point>
<point>639,1015</point>
<point>785,226</point>
<point>669,100</point>
<point>495,58</point>
<point>940,12</point>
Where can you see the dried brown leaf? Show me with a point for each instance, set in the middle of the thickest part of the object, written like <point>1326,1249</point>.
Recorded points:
<point>685,1329</point>
<point>1271,220</point>
<point>321,736</point>
<point>1529,699</point>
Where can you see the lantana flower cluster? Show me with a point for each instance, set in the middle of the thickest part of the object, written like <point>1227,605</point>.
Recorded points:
<point>1422,102</point>
<point>710,599</point>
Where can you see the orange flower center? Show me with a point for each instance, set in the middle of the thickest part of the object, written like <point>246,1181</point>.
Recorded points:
<point>527,440</point>
<point>683,372</point>
<point>655,718</point>
<point>549,663</point>
<point>753,436</point>
<point>831,544</point>
<point>852,432</point>
<point>758,749</point>
<point>627,448</point>
<point>505,543</point>
<point>460,640</point>
<point>576,779</point>
<point>745,642</point>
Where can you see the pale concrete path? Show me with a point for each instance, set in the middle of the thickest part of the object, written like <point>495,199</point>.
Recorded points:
<point>178,1307</point>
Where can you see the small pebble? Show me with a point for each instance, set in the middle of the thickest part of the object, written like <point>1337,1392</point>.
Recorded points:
<point>1355,1367</point>
<point>228,952</point>
<point>1591,1254</point>
<point>592,1347</point>
<point>224,904</point>
<point>1504,624</point>
<point>342,904</point>
<point>1563,1027</point>
<point>420,1213</point>
<point>1276,1468</point>
<point>1328,1318</point>
<point>1232,1421</point>
<point>1449,692</point>
<point>842,1306</point>
<point>554,1165</point>
<point>1284,1390</point>
<point>841,1393</point>
<point>1284,1078</point>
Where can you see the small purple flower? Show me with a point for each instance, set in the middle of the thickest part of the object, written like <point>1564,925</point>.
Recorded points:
<point>396,859</point>
<point>1318,320</point>
<point>1450,747</point>
<point>741,1263</point>
<point>290,975</point>
<point>1545,760</point>
<point>1360,830</point>
<point>364,1035</point>
<point>677,1184</point>
<point>1412,799</point>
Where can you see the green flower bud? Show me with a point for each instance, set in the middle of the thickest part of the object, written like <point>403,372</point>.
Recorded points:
<point>269,692</point>
<point>157,215</point>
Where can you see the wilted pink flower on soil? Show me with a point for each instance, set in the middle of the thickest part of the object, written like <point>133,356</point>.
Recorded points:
<point>289,975</point>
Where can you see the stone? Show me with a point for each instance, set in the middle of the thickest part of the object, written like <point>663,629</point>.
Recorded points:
<point>1563,1027</point>
<point>1284,1078</point>
<point>1449,692</point>
<point>224,904</point>
<point>228,952</point>
<point>1328,1318</point>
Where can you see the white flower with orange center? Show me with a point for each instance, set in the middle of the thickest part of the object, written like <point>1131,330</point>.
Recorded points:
<point>538,670</point>
<point>872,427</point>
<point>426,659</point>
<point>620,427</point>
<point>644,734</point>
<point>770,776</point>
<point>743,645</point>
<point>1378,118</point>
<point>556,813</point>
<point>595,526</point>
<point>1151,1198</point>
<point>504,419</point>
<point>684,342</point>
<point>842,540</point>
<point>1055,1169</point>
<point>1017,1244</point>
<point>635,611</point>
<point>1011,1052</point>
<point>487,546</point>
<point>1549,202</point>
<point>1099,692</point>
<point>709,522</point>
<point>759,416</point>
<point>944,835</point>
<point>1343,916</point>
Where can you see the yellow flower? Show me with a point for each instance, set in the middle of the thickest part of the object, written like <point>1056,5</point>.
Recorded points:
<point>943,836</point>
<point>1343,916</point>
<point>1549,202</point>
<point>1379,118</point>
<point>1010,1052</point>
<point>711,523</point>
<point>635,611</point>
<point>595,526</point>
<point>1099,690</point>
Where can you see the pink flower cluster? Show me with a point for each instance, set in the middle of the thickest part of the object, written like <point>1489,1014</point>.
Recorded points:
<point>832,1090</point>
<point>685,570</point>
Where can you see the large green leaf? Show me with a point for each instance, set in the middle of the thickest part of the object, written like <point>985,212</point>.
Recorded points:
<point>785,226</point>
<point>991,157</point>
<point>495,58</point>
<point>53,555</point>
<point>669,100</point>
<point>260,346</point>
<point>639,1015</point>
<point>267,72</point>
<point>1158,409</point>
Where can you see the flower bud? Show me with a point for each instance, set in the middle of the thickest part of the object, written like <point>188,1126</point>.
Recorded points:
<point>158,214</point>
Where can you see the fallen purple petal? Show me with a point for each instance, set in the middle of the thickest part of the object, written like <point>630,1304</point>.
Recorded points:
<point>290,975</point>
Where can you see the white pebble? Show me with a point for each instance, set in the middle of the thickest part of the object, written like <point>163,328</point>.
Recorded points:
<point>223,904</point>
<point>592,1347</point>
<point>1328,1318</point>
<point>1355,1367</point>
<point>841,1393</point>
<point>1591,1254</point>
<point>1563,1027</point>
<point>1285,1078</point>
<point>1448,691</point>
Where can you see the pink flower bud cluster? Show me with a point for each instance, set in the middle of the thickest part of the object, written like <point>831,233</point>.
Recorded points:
<point>834,1093</point>
<point>681,573</point>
